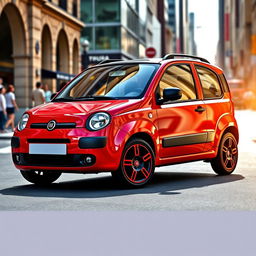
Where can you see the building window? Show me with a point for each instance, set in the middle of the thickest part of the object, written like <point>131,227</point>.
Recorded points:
<point>63,4</point>
<point>107,11</point>
<point>86,11</point>
<point>87,34</point>
<point>74,8</point>
<point>129,43</point>
<point>107,38</point>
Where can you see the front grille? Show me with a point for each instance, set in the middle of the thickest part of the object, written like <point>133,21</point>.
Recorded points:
<point>58,125</point>
<point>70,160</point>
<point>48,141</point>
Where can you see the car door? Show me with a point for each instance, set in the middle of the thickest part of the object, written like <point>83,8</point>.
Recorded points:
<point>180,123</point>
<point>216,99</point>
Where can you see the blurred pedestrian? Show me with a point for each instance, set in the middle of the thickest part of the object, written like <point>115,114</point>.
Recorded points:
<point>38,95</point>
<point>11,106</point>
<point>2,108</point>
<point>1,81</point>
<point>48,93</point>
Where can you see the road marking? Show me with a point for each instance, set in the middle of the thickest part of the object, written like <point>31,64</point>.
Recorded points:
<point>5,150</point>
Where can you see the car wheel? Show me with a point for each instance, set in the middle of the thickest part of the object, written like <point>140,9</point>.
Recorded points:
<point>226,160</point>
<point>137,164</point>
<point>41,177</point>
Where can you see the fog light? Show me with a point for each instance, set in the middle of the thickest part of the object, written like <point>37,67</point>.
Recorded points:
<point>17,158</point>
<point>88,160</point>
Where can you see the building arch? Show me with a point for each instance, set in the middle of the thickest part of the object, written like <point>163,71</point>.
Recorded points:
<point>75,59</point>
<point>17,57</point>
<point>17,29</point>
<point>62,52</point>
<point>46,55</point>
<point>46,45</point>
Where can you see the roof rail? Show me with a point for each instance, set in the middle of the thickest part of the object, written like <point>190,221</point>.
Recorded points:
<point>108,61</point>
<point>172,56</point>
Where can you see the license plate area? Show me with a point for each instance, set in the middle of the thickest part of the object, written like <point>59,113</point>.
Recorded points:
<point>47,149</point>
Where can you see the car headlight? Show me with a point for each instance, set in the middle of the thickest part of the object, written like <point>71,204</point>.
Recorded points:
<point>23,122</point>
<point>98,121</point>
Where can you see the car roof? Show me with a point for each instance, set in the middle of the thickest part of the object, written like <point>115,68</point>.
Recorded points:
<point>166,59</point>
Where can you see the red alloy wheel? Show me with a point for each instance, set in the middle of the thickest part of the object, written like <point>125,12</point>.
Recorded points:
<point>229,153</point>
<point>137,164</point>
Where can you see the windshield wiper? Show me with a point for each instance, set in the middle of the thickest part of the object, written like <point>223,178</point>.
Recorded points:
<point>96,97</point>
<point>63,99</point>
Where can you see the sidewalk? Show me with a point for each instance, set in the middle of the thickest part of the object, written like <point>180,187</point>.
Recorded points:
<point>6,136</point>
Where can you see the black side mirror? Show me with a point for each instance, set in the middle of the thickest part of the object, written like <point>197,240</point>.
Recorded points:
<point>171,94</point>
<point>53,95</point>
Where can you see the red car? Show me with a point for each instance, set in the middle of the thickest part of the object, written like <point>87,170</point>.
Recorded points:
<point>128,117</point>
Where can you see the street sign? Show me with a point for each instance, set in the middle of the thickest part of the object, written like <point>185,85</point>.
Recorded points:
<point>150,52</point>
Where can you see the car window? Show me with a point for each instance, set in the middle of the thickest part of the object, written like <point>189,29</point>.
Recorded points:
<point>210,83</point>
<point>123,81</point>
<point>224,83</point>
<point>178,76</point>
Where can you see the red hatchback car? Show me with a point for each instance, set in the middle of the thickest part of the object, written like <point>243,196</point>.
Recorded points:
<point>127,117</point>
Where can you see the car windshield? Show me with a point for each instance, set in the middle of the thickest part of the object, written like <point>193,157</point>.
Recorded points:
<point>126,81</point>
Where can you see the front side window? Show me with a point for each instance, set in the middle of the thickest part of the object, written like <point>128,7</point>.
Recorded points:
<point>110,82</point>
<point>210,83</point>
<point>178,76</point>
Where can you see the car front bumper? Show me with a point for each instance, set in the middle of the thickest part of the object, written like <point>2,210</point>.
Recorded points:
<point>85,151</point>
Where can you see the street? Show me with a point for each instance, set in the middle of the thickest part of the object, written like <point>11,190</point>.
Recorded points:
<point>191,186</point>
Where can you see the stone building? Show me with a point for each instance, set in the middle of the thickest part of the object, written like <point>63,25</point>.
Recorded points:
<point>39,41</point>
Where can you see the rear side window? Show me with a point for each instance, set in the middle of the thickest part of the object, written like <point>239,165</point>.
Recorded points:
<point>210,83</point>
<point>178,76</point>
<point>224,83</point>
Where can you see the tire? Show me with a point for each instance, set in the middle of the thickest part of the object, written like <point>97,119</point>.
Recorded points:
<point>41,177</point>
<point>226,160</point>
<point>137,164</point>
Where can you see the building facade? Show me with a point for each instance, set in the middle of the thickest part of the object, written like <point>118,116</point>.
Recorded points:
<point>192,48</point>
<point>172,21</point>
<point>39,41</point>
<point>118,29</point>
<point>237,44</point>
<point>181,10</point>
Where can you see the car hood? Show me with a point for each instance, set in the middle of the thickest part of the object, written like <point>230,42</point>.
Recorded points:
<point>79,111</point>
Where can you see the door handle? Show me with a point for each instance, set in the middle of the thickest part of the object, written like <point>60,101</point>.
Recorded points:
<point>200,109</point>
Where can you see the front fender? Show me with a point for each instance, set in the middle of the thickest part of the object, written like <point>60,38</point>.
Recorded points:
<point>131,124</point>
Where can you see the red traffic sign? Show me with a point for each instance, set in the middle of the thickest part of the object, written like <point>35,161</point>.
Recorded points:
<point>150,52</point>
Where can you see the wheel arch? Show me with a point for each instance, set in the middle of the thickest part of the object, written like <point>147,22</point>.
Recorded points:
<point>144,136</point>
<point>233,130</point>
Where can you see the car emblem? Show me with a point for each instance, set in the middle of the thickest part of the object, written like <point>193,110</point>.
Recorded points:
<point>51,125</point>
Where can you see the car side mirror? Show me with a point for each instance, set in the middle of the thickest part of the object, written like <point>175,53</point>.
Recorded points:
<point>53,95</point>
<point>170,94</point>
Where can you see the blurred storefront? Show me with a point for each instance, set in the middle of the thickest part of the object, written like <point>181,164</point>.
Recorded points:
<point>118,29</point>
<point>39,41</point>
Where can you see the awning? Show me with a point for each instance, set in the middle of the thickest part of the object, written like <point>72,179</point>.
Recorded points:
<point>56,75</point>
